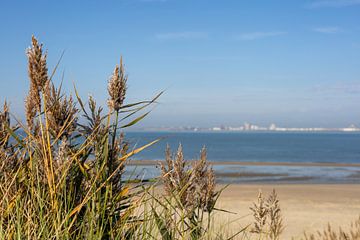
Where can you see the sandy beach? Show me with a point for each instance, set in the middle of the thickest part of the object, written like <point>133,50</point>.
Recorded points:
<point>305,207</point>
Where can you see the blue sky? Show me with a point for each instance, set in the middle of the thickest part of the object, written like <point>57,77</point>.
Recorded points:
<point>295,63</point>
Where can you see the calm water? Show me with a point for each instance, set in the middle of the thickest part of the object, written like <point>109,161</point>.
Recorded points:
<point>259,147</point>
<point>250,146</point>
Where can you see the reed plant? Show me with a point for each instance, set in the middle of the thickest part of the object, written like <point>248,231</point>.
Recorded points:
<point>268,220</point>
<point>190,198</point>
<point>61,173</point>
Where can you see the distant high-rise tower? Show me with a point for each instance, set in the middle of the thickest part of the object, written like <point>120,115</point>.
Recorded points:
<point>247,126</point>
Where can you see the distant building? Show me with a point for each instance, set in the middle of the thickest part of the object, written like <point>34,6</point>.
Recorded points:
<point>272,127</point>
<point>351,128</point>
<point>247,126</point>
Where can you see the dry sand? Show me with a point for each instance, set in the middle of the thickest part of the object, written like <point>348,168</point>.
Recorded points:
<point>305,207</point>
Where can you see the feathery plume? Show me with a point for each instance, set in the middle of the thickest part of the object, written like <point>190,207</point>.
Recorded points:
<point>32,105</point>
<point>117,87</point>
<point>61,112</point>
<point>194,185</point>
<point>205,180</point>
<point>166,170</point>
<point>37,68</point>
<point>177,178</point>
<point>274,213</point>
<point>4,121</point>
<point>39,81</point>
<point>61,157</point>
<point>208,196</point>
<point>260,214</point>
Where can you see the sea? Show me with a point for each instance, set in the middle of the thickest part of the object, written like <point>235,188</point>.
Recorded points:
<point>314,157</point>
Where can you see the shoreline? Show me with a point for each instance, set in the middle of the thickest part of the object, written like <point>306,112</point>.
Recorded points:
<point>248,163</point>
<point>266,172</point>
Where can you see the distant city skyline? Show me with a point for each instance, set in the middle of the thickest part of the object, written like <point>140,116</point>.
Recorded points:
<point>295,63</point>
<point>246,126</point>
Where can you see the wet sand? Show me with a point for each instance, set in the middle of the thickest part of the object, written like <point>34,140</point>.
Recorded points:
<point>305,207</point>
<point>295,164</point>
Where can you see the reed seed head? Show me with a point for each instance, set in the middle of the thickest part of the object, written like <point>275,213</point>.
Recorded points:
<point>117,87</point>
<point>194,184</point>
<point>177,178</point>
<point>39,81</point>
<point>205,180</point>
<point>274,213</point>
<point>208,193</point>
<point>32,107</point>
<point>61,112</point>
<point>4,117</point>
<point>61,157</point>
<point>260,214</point>
<point>37,69</point>
<point>4,123</point>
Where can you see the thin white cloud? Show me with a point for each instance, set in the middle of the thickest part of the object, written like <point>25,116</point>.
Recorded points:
<point>258,35</point>
<point>181,35</point>
<point>333,3</point>
<point>327,30</point>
